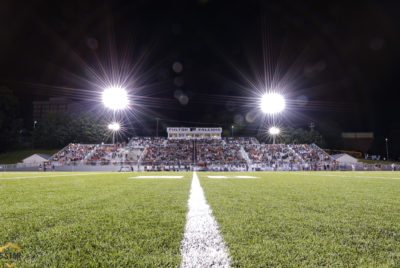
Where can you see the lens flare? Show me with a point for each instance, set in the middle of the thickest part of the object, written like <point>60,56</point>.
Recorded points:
<point>274,131</point>
<point>115,98</point>
<point>272,103</point>
<point>115,126</point>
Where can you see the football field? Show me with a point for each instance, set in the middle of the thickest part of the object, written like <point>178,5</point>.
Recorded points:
<point>142,219</point>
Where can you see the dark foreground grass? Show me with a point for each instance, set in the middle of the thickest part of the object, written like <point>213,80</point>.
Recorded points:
<point>292,220</point>
<point>94,221</point>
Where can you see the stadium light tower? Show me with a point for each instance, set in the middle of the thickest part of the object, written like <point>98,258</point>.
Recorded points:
<point>272,103</point>
<point>387,150</point>
<point>274,131</point>
<point>115,98</point>
<point>114,127</point>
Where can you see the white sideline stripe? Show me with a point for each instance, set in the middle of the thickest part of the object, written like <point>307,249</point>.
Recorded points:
<point>343,176</point>
<point>156,177</point>
<point>202,244</point>
<point>64,175</point>
<point>232,177</point>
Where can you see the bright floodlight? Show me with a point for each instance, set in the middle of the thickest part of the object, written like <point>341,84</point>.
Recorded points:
<point>115,98</point>
<point>114,126</point>
<point>272,103</point>
<point>274,131</point>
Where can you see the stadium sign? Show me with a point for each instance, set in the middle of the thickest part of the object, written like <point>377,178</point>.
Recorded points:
<point>184,133</point>
<point>178,129</point>
<point>209,129</point>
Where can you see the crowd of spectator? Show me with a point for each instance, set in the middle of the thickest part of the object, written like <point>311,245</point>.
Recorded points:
<point>271,154</point>
<point>135,142</point>
<point>228,154</point>
<point>168,152</point>
<point>241,140</point>
<point>288,157</point>
<point>107,154</point>
<point>73,152</point>
<point>219,152</point>
<point>310,153</point>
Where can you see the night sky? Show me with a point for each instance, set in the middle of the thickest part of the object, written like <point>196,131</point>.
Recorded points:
<point>205,62</point>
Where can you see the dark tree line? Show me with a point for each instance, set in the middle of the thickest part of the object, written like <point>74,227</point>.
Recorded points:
<point>56,130</point>
<point>10,122</point>
<point>52,131</point>
<point>301,136</point>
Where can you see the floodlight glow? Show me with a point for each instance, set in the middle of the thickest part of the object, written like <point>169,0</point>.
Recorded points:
<point>115,98</point>
<point>114,126</point>
<point>272,103</point>
<point>274,131</point>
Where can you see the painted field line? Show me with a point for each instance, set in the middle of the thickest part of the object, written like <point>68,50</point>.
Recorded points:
<point>232,177</point>
<point>202,244</point>
<point>343,176</point>
<point>51,176</point>
<point>156,177</point>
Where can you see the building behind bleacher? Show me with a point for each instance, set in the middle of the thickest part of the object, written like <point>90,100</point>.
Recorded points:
<point>357,141</point>
<point>54,105</point>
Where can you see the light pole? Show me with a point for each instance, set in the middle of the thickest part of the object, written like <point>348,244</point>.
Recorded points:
<point>34,124</point>
<point>272,103</point>
<point>274,131</point>
<point>114,127</point>
<point>387,150</point>
<point>232,130</point>
<point>116,99</point>
<point>157,126</point>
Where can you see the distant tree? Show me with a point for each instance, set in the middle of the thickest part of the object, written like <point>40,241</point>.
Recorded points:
<point>10,123</point>
<point>332,133</point>
<point>301,136</point>
<point>56,130</point>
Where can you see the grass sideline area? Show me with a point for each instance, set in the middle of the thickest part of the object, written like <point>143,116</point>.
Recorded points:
<point>308,219</point>
<point>379,162</point>
<point>17,156</point>
<point>94,220</point>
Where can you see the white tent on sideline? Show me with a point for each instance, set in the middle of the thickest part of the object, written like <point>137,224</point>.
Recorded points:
<point>36,159</point>
<point>344,158</point>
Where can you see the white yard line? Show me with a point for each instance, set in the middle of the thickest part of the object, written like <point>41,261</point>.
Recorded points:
<point>232,177</point>
<point>51,176</point>
<point>156,177</point>
<point>202,245</point>
<point>344,176</point>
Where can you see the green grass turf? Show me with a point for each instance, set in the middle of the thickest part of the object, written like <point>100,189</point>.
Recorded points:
<point>292,220</point>
<point>94,221</point>
<point>17,156</point>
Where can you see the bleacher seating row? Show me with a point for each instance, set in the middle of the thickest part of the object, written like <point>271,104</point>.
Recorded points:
<point>236,154</point>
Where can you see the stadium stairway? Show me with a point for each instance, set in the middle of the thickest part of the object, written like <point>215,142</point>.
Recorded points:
<point>246,157</point>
